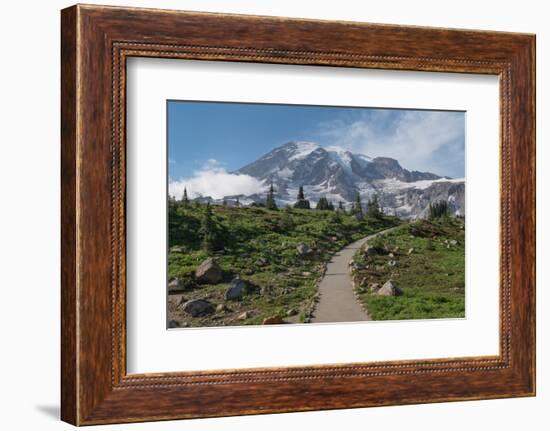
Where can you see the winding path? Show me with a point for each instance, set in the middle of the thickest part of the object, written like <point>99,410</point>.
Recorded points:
<point>337,302</point>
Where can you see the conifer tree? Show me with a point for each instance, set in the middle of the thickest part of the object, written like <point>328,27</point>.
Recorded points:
<point>438,209</point>
<point>237,203</point>
<point>301,202</point>
<point>358,206</point>
<point>270,200</point>
<point>207,229</point>
<point>301,193</point>
<point>184,198</point>
<point>373,207</point>
<point>324,205</point>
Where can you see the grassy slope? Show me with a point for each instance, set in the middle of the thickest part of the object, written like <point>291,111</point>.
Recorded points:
<point>249,235</point>
<point>431,277</point>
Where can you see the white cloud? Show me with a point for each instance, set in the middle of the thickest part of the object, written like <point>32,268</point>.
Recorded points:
<point>419,140</point>
<point>214,181</point>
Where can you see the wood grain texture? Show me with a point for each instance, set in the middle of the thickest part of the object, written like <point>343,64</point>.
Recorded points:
<point>96,41</point>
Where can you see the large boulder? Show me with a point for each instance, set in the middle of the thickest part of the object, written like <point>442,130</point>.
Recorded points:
<point>236,290</point>
<point>197,307</point>
<point>209,272</point>
<point>389,289</point>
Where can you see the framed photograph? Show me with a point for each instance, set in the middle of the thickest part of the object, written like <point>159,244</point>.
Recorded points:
<point>322,214</point>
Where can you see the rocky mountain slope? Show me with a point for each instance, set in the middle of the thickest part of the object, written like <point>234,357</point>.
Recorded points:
<point>340,175</point>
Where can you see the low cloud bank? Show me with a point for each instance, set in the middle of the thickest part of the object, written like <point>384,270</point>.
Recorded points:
<point>214,181</point>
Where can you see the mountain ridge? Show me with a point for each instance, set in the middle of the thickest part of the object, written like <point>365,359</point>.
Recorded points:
<point>340,175</point>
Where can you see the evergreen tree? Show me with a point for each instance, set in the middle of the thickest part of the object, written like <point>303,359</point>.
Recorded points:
<point>340,206</point>
<point>357,208</point>
<point>373,208</point>
<point>207,229</point>
<point>270,200</point>
<point>324,205</point>
<point>438,209</point>
<point>302,202</point>
<point>301,193</point>
<point>237,203</point>
<point>224,202</point>
<point>184,198</point>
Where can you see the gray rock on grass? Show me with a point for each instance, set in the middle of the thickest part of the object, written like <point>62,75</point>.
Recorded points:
<point>209,272</point>
<point>235,290</point>
<point>175,286</point>
<point>303,249</point>
<point>197,307</point>
<point>389,289</point>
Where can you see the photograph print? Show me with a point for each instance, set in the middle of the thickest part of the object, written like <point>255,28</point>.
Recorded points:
<point>295,214</point>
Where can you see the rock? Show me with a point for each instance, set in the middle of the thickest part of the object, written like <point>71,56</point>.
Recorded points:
<point>182,300</point>
<point>303,250</point>
<point>197,307</point>
<point>370,251</point>
<point>176,285</point>
<point>176,249</point>
<point>374,287</point>
<point>209,272</point>
<point>389,289</point>
<point>410,251</point>
<point>274,320</point>
<point>261,261</point>
<point>392,263</point>
<point>391,255</point>
<point>173,324</point>
<point>306,274</point>
<point>356,267</point>
<point>245,315</point>
<point>334,238</point>
<point>453,242</point>
<point>292,312</point>
<point>220,308</point>
<point>236,290</point>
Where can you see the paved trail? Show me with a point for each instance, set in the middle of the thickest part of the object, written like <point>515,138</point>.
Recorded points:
<point>337,302</point>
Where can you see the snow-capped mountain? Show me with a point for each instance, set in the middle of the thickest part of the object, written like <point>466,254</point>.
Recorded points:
<point>340,175</point>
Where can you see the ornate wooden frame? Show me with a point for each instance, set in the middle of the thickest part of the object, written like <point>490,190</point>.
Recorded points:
<point>95,42</point>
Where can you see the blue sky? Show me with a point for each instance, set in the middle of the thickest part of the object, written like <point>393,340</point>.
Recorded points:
<point>206,136</point>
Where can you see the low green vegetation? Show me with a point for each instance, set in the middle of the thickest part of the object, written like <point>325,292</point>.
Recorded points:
<point>424,260</point>
<point>279,253</point>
